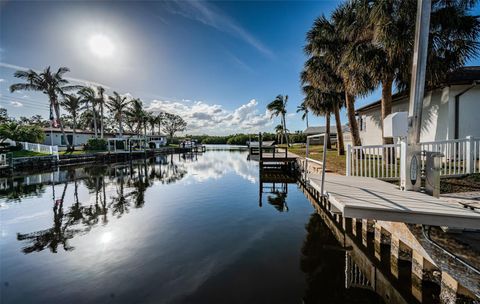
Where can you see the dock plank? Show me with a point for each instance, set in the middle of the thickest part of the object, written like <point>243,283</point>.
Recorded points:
<point>369,198</point>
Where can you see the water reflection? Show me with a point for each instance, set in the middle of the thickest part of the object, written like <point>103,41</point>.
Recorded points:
<point>126,186</point>
<point>321,255</point>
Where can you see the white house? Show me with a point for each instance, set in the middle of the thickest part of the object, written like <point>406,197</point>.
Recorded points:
<point>333,134</point>
<point>451,111</point>
<point>53,136</point>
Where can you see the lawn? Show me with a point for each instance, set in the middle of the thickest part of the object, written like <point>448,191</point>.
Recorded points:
<point>24,153</point>
<point>80,152</point>
<point>335,163</point>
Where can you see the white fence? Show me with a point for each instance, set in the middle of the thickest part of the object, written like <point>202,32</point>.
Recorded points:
<point>460,156</point>
<point>52,150</point>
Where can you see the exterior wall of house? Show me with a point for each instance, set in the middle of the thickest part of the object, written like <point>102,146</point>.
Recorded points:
<point>56,139</point>
<point>438,117</point>
<point>469,113</point>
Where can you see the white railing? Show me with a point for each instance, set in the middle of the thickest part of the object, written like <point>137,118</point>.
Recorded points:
<point>52,150</point>
<point>460,156</point>
<point>379,161</point>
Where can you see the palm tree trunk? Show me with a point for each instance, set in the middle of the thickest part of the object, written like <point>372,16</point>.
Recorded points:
<point>120,127</point>
<point>338,122</point>
<point>386,105</point>
<point>101,120</point>
<point>327,131</point>
<point>57,113</point>
<point>349,101</point>
<point>387,110</point>
<point>73,137</point>
<point>94,120</point>
<point>285,130</point>
<point>306,118</point>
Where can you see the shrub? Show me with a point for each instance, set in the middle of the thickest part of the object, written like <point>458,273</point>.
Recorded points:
<point>99,144</point>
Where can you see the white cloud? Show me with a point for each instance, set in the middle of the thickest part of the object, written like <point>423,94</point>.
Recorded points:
<point>214,119</point>
<point>2,80</point>
<point>16,104</point>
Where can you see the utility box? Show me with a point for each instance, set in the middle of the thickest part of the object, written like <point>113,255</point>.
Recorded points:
<point>396,125</point>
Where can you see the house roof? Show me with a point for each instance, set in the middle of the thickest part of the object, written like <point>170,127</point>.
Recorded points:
<point>79,131</point>
<point>321,130</point>
<point>464,75</point>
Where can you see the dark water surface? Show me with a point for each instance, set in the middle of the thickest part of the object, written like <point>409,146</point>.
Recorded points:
<point>172,229</point>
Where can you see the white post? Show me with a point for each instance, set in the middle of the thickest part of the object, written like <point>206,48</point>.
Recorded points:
<point>51,149</point>
<point>349,160</point>
<point>38,148</point>
<point>403,163</point>
<point>470,155</point>
<point>306,157</point>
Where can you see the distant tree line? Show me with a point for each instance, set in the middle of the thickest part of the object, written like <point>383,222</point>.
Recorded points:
<point>242,139</point>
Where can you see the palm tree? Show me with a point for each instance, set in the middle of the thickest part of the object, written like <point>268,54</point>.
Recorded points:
<point>304,109</point>
<point>50,83</point>
<point>330,49</point>
<point>321,76</point>
<point>137,114</point>
<point>152,120</point>
<point>279,132</point>
<point>160,117</point>
<point>321,104</point>
<point>390,29</point>
<point>72,104</point>
<point>117,105</point>
<point>101,102</point>
<point>88,97</point>
<point>278,107</point>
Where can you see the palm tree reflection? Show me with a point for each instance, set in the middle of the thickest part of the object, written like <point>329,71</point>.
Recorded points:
<point>126,185</point>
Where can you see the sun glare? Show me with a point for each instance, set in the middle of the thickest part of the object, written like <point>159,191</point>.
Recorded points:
<point>101,46</point>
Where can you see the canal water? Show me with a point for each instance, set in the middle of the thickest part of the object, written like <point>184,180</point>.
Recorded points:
<point>171,229</point>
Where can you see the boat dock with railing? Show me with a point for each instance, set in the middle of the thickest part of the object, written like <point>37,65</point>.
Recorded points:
<point>370,198</point>
<point>271,157</point>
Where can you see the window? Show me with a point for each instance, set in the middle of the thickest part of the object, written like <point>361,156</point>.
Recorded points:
<point>362,123</point>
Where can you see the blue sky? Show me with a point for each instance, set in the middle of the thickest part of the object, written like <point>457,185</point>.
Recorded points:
<point>217,64</point>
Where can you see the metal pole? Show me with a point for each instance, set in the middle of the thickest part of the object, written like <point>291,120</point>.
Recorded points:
<point>324,161</point>
<point>306,157</point>
<point>417,83</point>
<point>417,91</point>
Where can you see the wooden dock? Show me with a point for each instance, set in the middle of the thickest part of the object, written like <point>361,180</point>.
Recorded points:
<point>369,198</point>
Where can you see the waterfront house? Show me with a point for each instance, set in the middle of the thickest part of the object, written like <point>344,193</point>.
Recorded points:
<point>53,136</point>
<point>320,130</point>
<point>450,111</point>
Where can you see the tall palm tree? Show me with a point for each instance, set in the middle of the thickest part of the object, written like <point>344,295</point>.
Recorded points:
<point>320,103</point>
<point>278,107</point>
<point>152,120</point>
<point>89,98</point>
<point>101,103</point>
<point>137,114</point>
<point>321,76</point>
<point>117,104</point>
<point>390,28</point>
<point>72,104</point>
<point>160,117</point>
<point>327,45</point>
<point>304,109</point>
<point>50,83</point>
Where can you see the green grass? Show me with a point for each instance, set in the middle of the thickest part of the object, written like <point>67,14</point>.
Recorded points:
<point>24,153</point>
<point>80,152</point>
<point>335,163</point>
